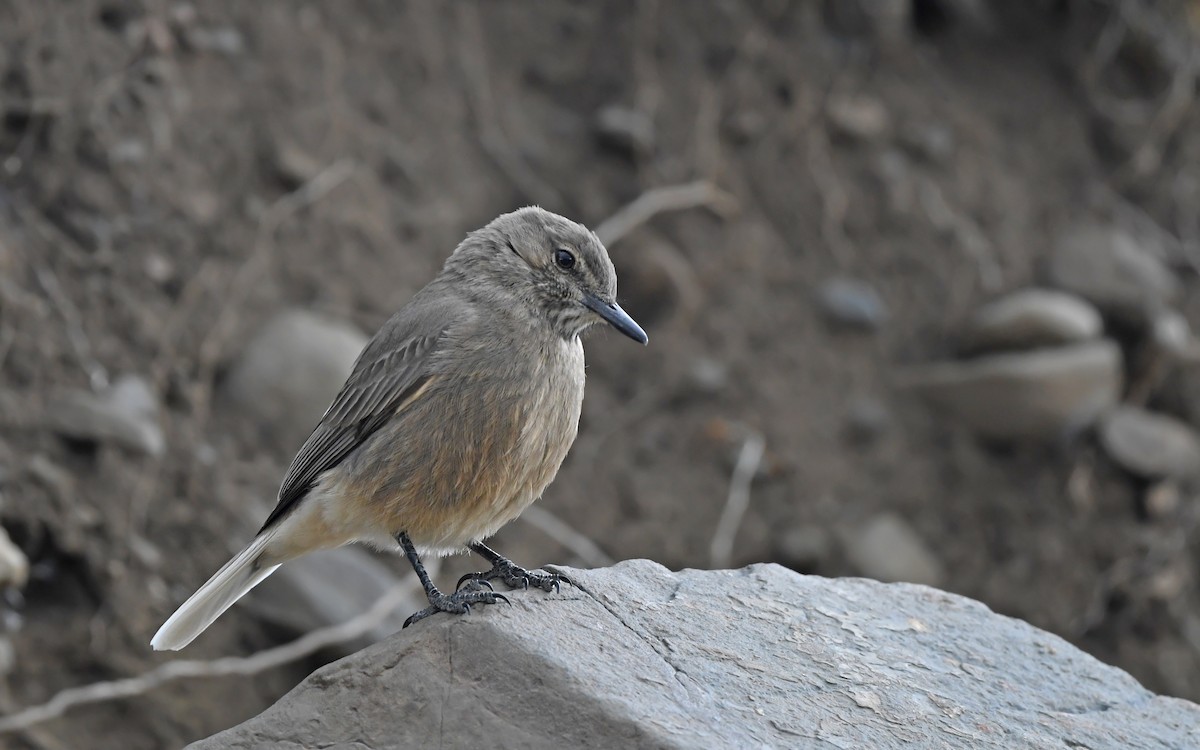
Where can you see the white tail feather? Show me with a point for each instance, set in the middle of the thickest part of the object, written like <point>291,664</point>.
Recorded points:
<point>227,585</point>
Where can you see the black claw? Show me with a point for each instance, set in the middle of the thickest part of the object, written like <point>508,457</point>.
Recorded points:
<point>458,603</point>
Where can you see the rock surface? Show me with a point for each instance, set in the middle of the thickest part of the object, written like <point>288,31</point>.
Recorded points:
<point>289,372</point>
<point>638,656</point>
<point>124,414</point>
<point>1043,395</point>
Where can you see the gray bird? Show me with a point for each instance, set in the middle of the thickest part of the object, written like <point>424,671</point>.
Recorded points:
<point>456,416</point>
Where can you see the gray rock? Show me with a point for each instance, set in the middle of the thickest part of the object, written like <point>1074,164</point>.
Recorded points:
<point>125,414</point>
<point>1032,318</point>
<point>1106,266</point>
<point>1043,395</point>
<point>858,117</point>
<point>328,588</point>
<point>640,657</point>
<point>852,303</point>
<point>887,548</point>
<point>289,372</point>
<point>1150,445</point>
<point>626,130</point>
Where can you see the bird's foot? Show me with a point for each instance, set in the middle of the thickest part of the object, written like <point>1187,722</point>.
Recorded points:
<point>516,577</point>
<point>458,603</point>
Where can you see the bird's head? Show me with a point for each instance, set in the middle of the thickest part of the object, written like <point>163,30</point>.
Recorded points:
<point>557,267</point>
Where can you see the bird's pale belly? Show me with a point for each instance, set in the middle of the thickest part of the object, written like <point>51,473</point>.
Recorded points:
<point>485,451</point>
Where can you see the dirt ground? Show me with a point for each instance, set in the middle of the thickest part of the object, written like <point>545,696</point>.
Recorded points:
<point>147,150</point>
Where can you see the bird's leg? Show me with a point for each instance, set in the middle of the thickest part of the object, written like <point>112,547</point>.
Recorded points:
<point>513,575</point>
<point>458,603</point>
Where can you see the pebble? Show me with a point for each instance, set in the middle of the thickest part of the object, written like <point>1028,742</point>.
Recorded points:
<point>867,419</point>
<point>858,117</point>
<point>852,303</point>
<point>1154,446</point>
<point>1162,499</point>
<point>625,130</point>
<point>224,40</point>
<point>1032,318</point>
<point>1106,266</point>
<point>14,566</point>
<point>931,142</point>
<point>708,376</point>
<point>888,549</point>
<point>289,371</point>
<point>1044,395</point>
<point>804,547</point>
<point>124,414</point>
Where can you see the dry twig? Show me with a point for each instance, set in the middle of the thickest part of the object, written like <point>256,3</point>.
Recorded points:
<point>721,550</point>
<point>129,687</point>
<point>657,200</point>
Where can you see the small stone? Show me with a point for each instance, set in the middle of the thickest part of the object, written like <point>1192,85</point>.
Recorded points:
<point>887,549</point>
<point>708,376</point>
<point>1107,267</point>
<point>125,414</point>
<point>293,165</point>
<point>128,151</point>
<point>932,142</point>
<point>852,303</point>
<point>1150,445</point>
<point>867,419</point>
<point>804,548</point>
<point>1172,335</point>
<point>159,269</point>
<point>201,206</point>
<point>1032,318</point>
<point>222,40</point>
<point>1162,499</point>
<point>626,130</point>
<point>1044,395</point>
<point>289,371</point>
<point>145,551</point>
<point>859,117</point>
<point>14,566</point>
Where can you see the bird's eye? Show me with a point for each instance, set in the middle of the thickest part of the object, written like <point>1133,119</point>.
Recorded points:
<point>563,259</point>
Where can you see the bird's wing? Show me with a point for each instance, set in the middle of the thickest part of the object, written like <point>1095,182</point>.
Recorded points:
<point>391,371</point>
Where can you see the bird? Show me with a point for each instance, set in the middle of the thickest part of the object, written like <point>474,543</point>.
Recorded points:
<point>455,417</point>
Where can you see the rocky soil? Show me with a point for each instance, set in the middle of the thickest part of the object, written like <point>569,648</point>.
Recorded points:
<point>931,318</point>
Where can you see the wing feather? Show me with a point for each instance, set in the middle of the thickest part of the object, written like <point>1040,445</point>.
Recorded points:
<point>378,386</point>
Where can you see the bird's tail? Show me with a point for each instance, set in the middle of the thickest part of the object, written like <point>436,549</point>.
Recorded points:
<point>230,583</point>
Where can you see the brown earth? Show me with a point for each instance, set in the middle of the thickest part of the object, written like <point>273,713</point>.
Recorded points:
<point>146,149</point>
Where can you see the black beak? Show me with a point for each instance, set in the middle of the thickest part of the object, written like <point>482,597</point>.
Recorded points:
<point>616,317</point>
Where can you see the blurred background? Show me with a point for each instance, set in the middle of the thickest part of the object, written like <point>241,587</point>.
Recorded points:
<point>918,277</point>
